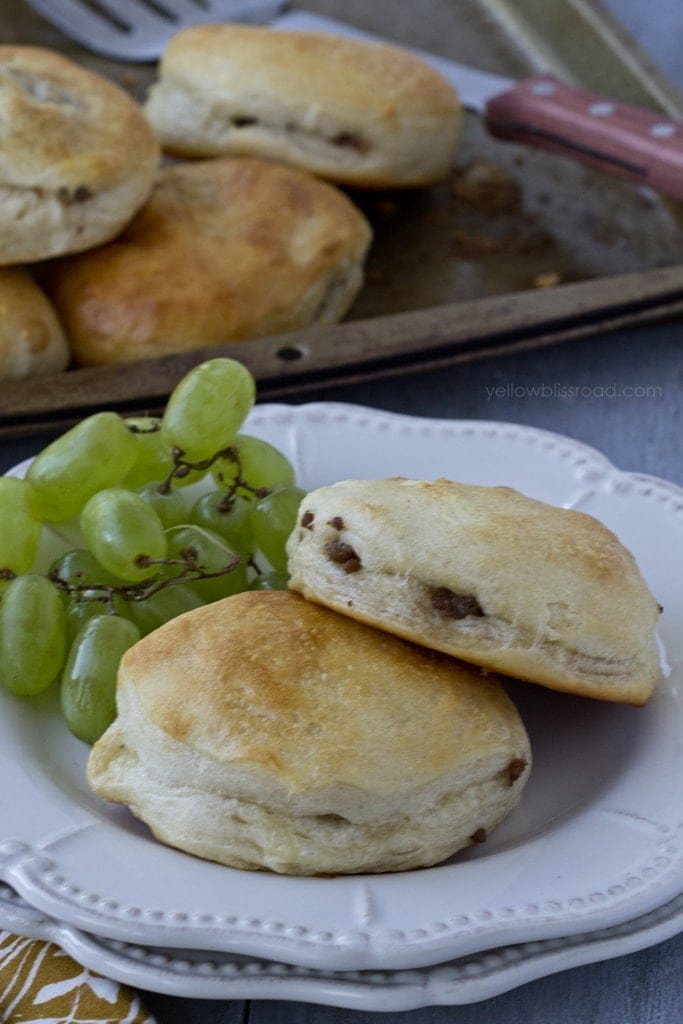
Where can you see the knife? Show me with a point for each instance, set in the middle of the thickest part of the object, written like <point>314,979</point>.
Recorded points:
<point>641,146</point>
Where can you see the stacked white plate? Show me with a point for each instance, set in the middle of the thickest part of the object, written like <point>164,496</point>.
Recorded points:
<point>589,866</point>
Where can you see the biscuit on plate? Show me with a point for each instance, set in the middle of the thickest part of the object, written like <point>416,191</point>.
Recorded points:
<point>77,156</point>
<point>264,731</point>
<point>359,113</point>
<point>223,251</point>
<point>32,341</point>
<point>486,574</point>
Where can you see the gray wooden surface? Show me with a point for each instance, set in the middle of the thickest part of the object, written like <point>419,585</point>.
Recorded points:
<point>638,434</point>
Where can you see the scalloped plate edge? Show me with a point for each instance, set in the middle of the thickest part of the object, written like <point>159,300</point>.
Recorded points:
<point>469,980</point>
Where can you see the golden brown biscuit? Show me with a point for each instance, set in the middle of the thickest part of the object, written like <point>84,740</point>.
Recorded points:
<point>224,250</point>
<point>77,156</point>
<point>266,732</point>
<point>31,339</point>
<point>486,574</point>
<point>359,113</point>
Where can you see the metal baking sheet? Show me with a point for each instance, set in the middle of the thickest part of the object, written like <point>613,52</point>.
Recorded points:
<point>552,225</point>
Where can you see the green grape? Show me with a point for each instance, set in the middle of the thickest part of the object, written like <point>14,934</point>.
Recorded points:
<point>88,691</point>
<point>166,604</point>
<point>207,408</point>
<point>270,581</point>
<point>68,531</point>
<point>32,635</point>
<point>212,555</point>
<point>274,518</point>
<point>263,466</point>
<point>97,453</point>
<point>122,531</point>
<point>19,529</point>
<point>91,604</point>
<point>233,524</point>
<point>169,505</point>
<point>80,566</point>
<point>153,460</point>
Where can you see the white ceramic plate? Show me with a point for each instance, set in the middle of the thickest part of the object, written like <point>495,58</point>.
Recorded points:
<point>595,842</point>
<point>199,975</point>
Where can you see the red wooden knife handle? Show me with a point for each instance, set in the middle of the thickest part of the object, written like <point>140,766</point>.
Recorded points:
<point>636,144</point>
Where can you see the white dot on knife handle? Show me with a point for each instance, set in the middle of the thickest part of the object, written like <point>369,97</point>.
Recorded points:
<point>543,88</point>
<point>601,109</point>
<point>662,131</point>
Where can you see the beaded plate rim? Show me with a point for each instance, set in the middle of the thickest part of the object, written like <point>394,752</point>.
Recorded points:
<point>192,974</point>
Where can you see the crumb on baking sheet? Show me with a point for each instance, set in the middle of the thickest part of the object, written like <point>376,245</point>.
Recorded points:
<point>487,188</point>
<point>547,280</point>
<point>471,246</point>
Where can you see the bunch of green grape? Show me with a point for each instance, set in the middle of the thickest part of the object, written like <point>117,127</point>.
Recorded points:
<point>139,550</point>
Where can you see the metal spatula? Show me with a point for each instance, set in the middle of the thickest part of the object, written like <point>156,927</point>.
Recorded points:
<point>138,30</point>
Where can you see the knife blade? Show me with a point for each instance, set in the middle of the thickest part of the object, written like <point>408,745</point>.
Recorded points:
<point>641,146</point>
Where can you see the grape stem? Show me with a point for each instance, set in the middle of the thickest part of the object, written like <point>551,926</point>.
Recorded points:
<point>226,503</point>
<point>181,468</point>
<point>106,592</point>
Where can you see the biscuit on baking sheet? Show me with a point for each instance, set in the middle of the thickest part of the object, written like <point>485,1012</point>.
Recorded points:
<point>486,574</point>
<point>77,156</point>
<point>266,732</point>
<point>224,250</point>
<point>359,113</point>
<point>32,341</point>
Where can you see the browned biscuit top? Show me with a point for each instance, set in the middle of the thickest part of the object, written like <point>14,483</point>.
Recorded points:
<point>64,127</point>
<point>332,702</point>
<point>371,77</point>
<point>224,250</point>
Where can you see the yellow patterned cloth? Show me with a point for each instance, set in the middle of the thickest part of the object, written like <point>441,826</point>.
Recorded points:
<point>40,982</point>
